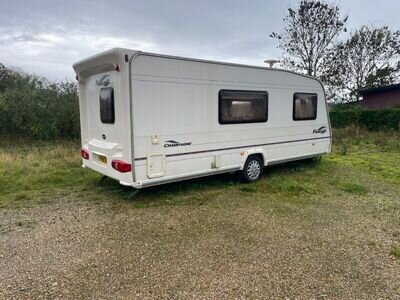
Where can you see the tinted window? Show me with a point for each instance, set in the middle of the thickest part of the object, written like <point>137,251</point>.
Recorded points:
<point>304,106</point>
<point>107,114</point>
<point>242,106</point>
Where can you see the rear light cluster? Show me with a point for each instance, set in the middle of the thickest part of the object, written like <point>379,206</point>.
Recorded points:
<point>85,154</point>
<point>118,165</point>
<point>121,166</point>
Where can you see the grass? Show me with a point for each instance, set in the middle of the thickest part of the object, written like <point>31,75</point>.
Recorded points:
<point>353,187</point>
<point>374,153</point>
<point>31,171</point>
<point>395,251</point>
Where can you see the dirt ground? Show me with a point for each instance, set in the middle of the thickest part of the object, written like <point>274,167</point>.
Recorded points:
<point>242,248</point>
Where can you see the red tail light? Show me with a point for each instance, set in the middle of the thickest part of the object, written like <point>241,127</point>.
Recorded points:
<point>117,68</point>
<point>84,154</point>
<point>121,166</point>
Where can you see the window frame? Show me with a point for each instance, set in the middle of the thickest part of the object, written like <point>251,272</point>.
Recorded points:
<point>220,94</point>
<point>294,107</point>
<point>112,121</point>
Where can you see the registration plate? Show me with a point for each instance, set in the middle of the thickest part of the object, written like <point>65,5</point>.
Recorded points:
<point>102,159</point>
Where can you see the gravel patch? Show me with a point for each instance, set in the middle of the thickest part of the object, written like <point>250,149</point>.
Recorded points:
<point>71,249</point>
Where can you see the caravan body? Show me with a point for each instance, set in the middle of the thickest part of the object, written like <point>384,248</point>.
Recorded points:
<point>148,119</point>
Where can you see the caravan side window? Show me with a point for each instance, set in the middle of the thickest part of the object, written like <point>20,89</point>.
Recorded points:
<point>242,106</point>
<point>304,106</point>
<point>107,113</point>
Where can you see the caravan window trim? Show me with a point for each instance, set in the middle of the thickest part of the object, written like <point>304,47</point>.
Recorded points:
<point>315,107</point>
<point>220,100</point>
<point>107,106</point>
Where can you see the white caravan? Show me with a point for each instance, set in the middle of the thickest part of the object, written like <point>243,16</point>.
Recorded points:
<point>149,119</point>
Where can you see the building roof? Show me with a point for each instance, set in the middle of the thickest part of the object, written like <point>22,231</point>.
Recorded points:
<point>365,91</point>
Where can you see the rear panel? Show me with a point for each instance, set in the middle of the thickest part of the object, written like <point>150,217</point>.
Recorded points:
<point>105,114</point>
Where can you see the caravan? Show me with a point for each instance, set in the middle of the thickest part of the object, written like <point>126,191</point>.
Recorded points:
<point>149,119</point>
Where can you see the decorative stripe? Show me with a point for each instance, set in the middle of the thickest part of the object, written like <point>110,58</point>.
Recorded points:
<point>237,147</point>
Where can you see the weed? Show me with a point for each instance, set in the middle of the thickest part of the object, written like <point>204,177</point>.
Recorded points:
<point>248,189</point>
<point>353,188</point>
<point>21,196</point>
<point>395,251</point>
<point>343,149</point>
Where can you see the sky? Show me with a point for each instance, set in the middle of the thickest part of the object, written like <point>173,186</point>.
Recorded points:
<point>45,37</point>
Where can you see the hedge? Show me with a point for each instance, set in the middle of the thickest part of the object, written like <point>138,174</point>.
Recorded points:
<point>40,111</point>
<point>371,119</point>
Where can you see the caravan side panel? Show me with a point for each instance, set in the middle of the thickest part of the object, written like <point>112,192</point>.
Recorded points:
<point>176,126</point>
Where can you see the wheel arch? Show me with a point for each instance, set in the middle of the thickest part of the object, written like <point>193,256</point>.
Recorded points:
<point>253,152</point>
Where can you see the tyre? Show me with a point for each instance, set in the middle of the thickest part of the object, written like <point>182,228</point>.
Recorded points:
<point>253,169</point>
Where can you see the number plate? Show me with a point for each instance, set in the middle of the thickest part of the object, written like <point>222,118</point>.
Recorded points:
<point>103,159</point>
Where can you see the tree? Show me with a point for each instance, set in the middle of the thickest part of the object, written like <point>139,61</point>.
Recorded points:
<point>6,78</point>
<point>308,35</point>
<point>370,57</point>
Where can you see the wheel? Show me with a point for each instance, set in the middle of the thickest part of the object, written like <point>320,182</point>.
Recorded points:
<point>253,169</point>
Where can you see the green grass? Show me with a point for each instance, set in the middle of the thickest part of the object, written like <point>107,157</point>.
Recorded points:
<point>248,189</point>
<point>30,169</point>
<point>32,172</point>
<point>395,251</point>
<point>353,188</point>
<point>375,153</point>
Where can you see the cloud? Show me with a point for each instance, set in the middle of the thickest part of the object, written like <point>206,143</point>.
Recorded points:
<point>52,54</point>
<point>46,37</point>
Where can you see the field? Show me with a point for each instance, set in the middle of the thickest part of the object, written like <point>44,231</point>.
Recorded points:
<point>307,230</point>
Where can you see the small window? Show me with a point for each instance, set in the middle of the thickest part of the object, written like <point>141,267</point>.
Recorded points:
<point>242,106</point>
<point>107,113</point>
<point>304,106</point>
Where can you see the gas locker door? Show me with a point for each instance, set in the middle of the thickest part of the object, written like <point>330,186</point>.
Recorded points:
<point>156,165</point>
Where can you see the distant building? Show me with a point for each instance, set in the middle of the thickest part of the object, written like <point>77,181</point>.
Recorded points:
<point>381,97</point>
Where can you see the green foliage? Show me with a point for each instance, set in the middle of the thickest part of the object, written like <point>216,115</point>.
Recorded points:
<point>371,152</point>
<point>248,189</point>
<point>34,107</point>
<point>370,119</point>
<point>344,118</point>
<point>353,188</point>
<point>308,35</point>
<point>395,251</point>
<point>368,58</point>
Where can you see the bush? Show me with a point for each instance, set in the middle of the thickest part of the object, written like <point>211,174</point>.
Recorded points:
<point>371,119</point>
<point>36,108</point>
<point>345,118</point>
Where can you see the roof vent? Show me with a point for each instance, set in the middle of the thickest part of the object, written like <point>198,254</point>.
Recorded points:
<point>271,62</point>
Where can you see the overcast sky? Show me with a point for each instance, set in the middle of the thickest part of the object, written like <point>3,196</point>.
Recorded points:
<point>47,36</point>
